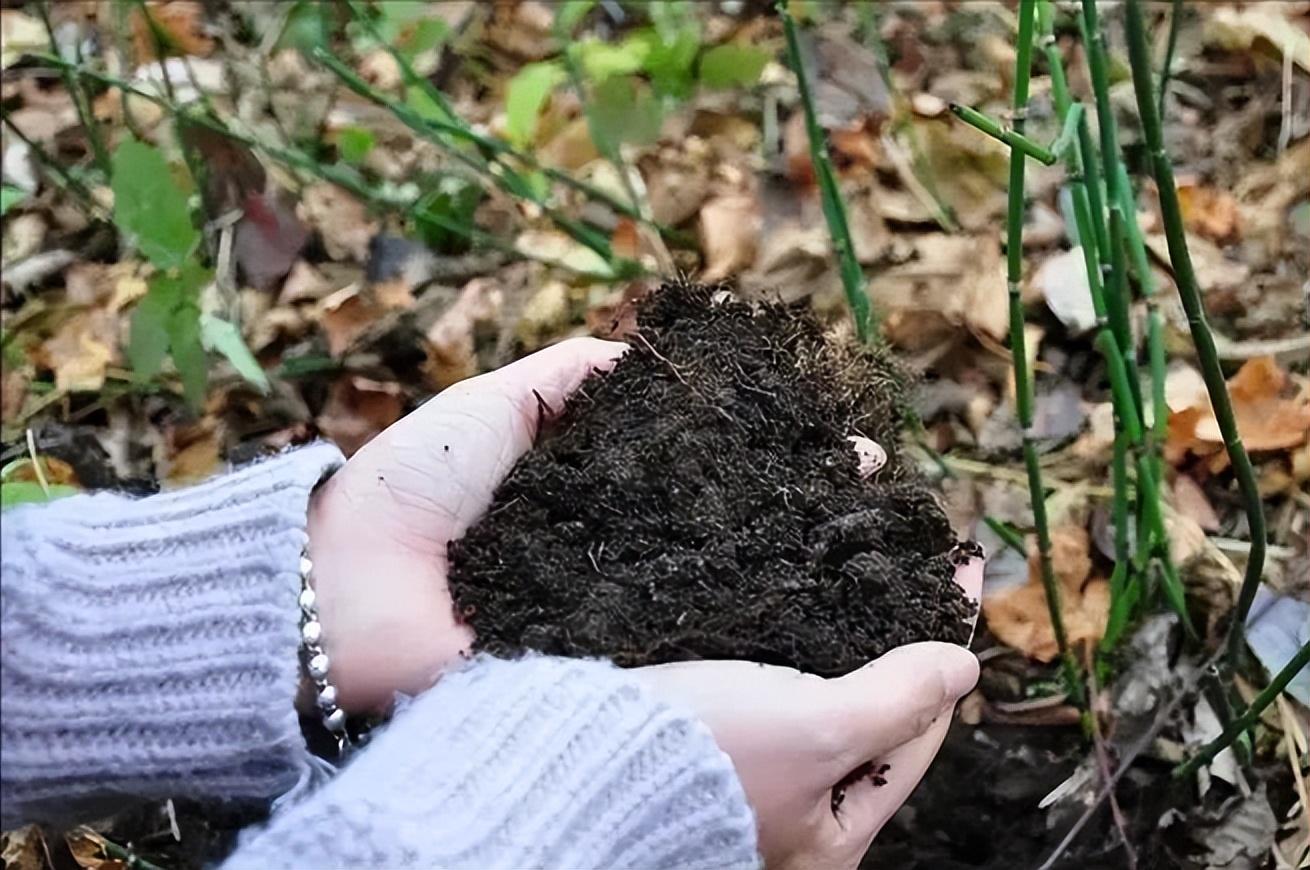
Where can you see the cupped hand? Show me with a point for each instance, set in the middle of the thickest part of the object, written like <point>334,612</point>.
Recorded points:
<point>826,762</point>
<point>379,527</point>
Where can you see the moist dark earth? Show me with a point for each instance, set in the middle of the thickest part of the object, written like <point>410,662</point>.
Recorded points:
<point>701,501</point>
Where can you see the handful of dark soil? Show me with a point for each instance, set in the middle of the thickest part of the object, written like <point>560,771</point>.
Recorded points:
<point>701,501</point>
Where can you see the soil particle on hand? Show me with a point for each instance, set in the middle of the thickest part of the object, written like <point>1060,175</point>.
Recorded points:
<point>702,501</point>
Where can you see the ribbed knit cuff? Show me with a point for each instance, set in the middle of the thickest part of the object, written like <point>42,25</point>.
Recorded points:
<point>149,646</point>
<point>538,762</point>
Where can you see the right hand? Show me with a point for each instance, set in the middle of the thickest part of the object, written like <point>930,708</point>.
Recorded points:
<point>795,739</point>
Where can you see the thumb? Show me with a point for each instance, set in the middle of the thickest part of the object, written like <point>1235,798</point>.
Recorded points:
<point>897,697</point>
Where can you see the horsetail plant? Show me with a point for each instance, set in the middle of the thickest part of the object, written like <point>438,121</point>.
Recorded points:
<point>1023,381</point>
<point>1107,233</point>
<point>834,210</point>
<point>1189,292</point>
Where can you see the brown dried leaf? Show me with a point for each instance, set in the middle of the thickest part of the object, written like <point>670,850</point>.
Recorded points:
<point>1210,212</point>
<point>729,228</point>
<point>13,392</point>
<point>1191,502</point>
<point>1019,617</point>
<point>81,349</point>
<point>341,219</point>
<point>24,848</point>
<point>1271,407</point>
<point>960,278</point>
<point>451,346</point>
<point>346,316</point>
<point>357,409</point>
<point>180,25</point>
<point>194,452</point>
<point>88,850</point>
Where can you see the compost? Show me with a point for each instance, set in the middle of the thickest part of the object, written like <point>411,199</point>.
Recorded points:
<point>702,501</point>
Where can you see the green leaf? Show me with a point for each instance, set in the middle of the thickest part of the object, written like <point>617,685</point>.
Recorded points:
<point>148,343</point>
<point>601,61</point>
<point>189,353</point>
<point>150,207</point>
<point>570,13</point>
<point>732,65</point>
<point>410,26</point>
<point>525,96</point>
<point>18,492</point>
<point>168,319</point>
<point>452,201</point>
<point>309,26</point>
<point>354,143</point>
<point>418,100</point>
<point>672,59</point>
<point>625,110</point>
<point>10,196</point>
<point>217,334</point>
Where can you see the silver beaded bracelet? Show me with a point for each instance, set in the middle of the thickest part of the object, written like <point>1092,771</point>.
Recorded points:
<point>316,662</point>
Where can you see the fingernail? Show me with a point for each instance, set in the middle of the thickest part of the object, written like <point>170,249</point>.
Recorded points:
<point>959,672</point>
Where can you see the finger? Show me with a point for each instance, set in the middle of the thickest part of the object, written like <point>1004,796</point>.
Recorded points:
<point>872,455</point>
<point>870,802</point>
<point>897,698</point>
<point>447,458</point>
<point>540,382</point>
<point>969,576</point>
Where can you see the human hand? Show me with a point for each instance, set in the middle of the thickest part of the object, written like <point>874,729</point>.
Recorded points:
<point>826,762</point>
<point>379,527</point>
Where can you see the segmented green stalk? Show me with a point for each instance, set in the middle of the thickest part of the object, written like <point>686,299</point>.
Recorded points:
<point>1023,381</point>
<point>1189,292</point>
<point>834,210</point>
<point>1250,715</point>
<point>1103,246</point>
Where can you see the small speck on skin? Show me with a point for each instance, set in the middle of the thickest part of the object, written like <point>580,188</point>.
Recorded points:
<point>446,448</point>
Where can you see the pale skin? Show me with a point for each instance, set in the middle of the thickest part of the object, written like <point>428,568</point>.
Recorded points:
<point>378,533</point>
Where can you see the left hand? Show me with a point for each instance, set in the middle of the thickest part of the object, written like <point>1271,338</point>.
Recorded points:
<point>379,527</point>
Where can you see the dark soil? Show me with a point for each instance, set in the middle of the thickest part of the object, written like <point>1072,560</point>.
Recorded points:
<point>702,501</point>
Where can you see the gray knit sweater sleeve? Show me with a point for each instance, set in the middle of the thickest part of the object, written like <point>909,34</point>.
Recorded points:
<point>148,650</point>
<point>148,646</point>
<point>539,762</point>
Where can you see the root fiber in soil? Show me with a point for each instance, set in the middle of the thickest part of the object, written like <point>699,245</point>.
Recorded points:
<point>701,501</point>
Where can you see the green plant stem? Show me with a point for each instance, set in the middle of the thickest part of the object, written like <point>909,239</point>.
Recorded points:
<point>1141,266</point>
<point>1011,136</point>
<point>1100,246</point>
<point>834,211</point>
<point>511,183</point>
<point>1248,716</point>
<point>1116,287</point>
<point>77,94</point>
<point>1008,536</point>
<point>1166,69</point>
<point>342,176</point>
<point>496,151</point>
<point>1023,381</point>
<point>62,177</point>
<point>1189,292</point>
